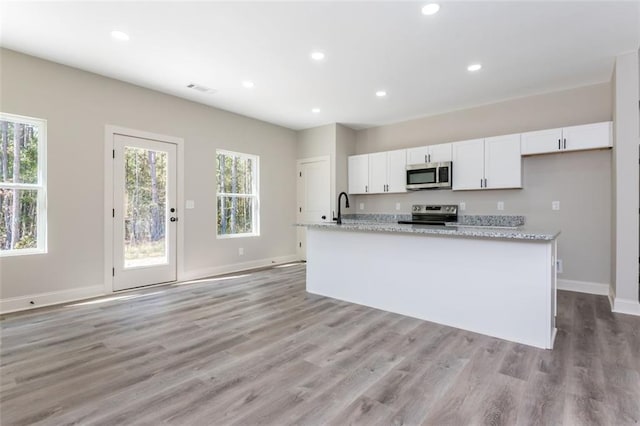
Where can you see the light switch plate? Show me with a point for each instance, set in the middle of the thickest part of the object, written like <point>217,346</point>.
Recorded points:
<point>500,205</point>
<point>397,206</point>
<point>190,204</point>
<point>463,205</point>
<point>555,205</point>
<point>361,206</point>
<point>240,251</point>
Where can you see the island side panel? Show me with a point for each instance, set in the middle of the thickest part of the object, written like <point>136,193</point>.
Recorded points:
<point>500,288</point>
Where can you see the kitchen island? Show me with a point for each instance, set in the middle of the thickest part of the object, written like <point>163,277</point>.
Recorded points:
<point>494,281</point>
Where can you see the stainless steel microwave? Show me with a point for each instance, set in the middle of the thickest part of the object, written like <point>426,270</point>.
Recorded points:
<point>429,176</point>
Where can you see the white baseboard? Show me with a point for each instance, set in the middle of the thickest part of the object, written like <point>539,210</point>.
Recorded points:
<point>584,287</point>
<point>625,306</point>
<point>32,301</point>
<point>15,304</point>
<point>237,267</point>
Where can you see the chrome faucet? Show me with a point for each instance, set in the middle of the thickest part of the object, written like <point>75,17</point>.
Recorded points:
<point>339,218</point>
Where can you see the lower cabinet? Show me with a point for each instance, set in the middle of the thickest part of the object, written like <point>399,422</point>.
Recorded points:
<point>489,163</point>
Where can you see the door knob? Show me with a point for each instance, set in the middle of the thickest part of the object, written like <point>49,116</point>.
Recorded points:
<point>172,210</point>
<point>324,217</point>
<point>173,219</point>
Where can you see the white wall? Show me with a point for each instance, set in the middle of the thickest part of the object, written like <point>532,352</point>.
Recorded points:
<point>77,106</point>
<point>626,187</point>
<point>581,181</point>
<point>338,142</point>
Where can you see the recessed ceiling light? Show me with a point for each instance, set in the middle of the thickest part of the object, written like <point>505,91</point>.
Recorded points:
<point>248,84</point>
<point>119,35</point>
<point>315,110</point>
<point>431,9</point>
<point>317,56</point>
<point>474,67</point>
<point>381,93</point>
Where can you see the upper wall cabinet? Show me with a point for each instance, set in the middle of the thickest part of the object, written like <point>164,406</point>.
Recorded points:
<point>490,163</point>
<point>358,174</point>
<point>429,154</point>
<point>575,138</point>
<point>378,173</point>
<point>387,171</point>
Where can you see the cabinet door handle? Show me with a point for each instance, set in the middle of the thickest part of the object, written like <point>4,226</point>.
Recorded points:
<point>559,143</point>
<point>565,143</point>
<point>366,188</point>
<point>480,182</point>
<point>426,159</point>
<point>485,182</point>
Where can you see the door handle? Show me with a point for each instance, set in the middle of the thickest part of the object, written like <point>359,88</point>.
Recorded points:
<point>323,217</point>
<point>558,143</point>
<point>173,219</point>
<point>565,143</point>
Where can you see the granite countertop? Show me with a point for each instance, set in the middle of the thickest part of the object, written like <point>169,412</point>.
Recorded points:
<point>492,232</point>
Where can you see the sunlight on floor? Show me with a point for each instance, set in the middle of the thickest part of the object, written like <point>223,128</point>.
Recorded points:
<point>205,280</point>
<point>112,299</point>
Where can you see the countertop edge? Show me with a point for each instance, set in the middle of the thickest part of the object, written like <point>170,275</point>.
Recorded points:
<point>466,232</point>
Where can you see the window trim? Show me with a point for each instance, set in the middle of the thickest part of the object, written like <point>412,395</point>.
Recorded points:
<point>255,196</point>
<point>41,186</point>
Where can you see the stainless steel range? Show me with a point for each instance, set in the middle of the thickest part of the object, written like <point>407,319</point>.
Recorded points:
<point>432,214</point>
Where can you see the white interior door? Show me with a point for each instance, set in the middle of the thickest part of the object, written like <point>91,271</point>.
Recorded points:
<point>314,196</point>
<point>145,212</point>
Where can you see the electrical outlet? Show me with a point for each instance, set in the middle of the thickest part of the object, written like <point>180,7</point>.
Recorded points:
<point>555,205</point>
<point>361,206</point>
<point>241,251</point>
<point>559,266</point>
<point>397,206</point>
<point>500,205</point>
<point>463,205</point>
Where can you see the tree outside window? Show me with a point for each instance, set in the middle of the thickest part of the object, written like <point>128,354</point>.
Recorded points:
<point>22,185</point>
<point>237,193</point>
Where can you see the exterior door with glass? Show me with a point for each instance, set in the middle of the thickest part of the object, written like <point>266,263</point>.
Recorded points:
<point>145,212</point>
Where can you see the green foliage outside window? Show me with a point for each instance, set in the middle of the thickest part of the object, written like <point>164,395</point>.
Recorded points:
<point>236,177</point>
<point>19,185</point>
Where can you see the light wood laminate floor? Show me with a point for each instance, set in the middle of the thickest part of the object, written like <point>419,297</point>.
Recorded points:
<point>257,349</point>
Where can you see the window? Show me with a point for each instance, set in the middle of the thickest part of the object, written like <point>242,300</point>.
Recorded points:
<point>22,185</point>
<point>237,178</point>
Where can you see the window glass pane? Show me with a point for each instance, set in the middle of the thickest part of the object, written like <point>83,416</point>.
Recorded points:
<point>145,207</point>
<point>18,219</point>
<point>235,215</point>
<point>18,152</point>
<point>236,193</point>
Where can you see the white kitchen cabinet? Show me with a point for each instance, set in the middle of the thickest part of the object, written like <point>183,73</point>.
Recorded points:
<point>358,174</point>
<point>502,162</point>
<point>378,173</point>
<point>574,138</point>
<point>588,136</point>
<point>387,172</point>
<point>490,163</point>
<point>429,154</point>
<point>397,171</point>
<point>468,164</point>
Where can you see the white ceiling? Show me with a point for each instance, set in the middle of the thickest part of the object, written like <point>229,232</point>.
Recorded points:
<point>421,61</point>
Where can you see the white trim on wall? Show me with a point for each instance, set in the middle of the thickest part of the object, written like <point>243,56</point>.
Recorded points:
<point>32,301</point>
<point>625,306</point>
<point>109,132</point>
<point>238,267</point>
<point>584,287</point>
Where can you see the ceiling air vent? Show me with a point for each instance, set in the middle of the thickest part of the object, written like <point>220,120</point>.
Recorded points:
<point>201,88</point>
